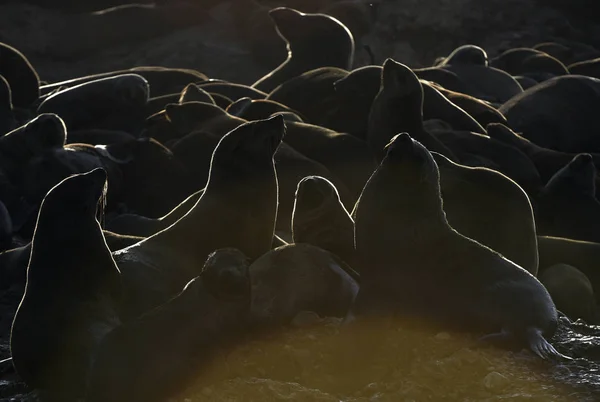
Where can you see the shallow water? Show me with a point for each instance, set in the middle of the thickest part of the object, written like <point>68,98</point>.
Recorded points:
<point>385,361</point>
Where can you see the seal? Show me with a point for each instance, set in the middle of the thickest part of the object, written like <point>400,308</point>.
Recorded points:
<point>546,161</point>
<point>467,284</point>
<point>506,224</point>
<point>193,93</point>
<point>466,54</point>
<point>559,114</point>
<point>153,357</point>
<point>22,78</point>
<point>73,285</point>
<point>114,103</point>
<point>398,107</point>
<point>529,62</point>
<point>359,88</point>
<point>567,205</point>
<point>479,110</point>
<point>485,82</point>
<point>321,219</point>
<point>162,80</point>
<point>571,291</point>
<point>207,123</point>
<point>590,68</point>
<point>241,192</point>
<point>313,41</point>
<point>44,132</point>
<point>581,254</point>
<point>137,225</point>
<point>476,150</point>
<point>299,278</point>
<point>314,95</point>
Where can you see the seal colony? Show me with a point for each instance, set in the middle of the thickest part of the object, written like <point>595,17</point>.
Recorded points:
<point>152,218</point>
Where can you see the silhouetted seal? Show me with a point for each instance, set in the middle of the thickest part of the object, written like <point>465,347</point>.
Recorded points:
<point>559,114</point>
<point>73,285</point>
<point>571,291</point>
<point>21,76</point>
<point>320,218</point>
<point>314,95</point>
<point>546,161</point>
<point>241,192</point>
<point>299,278</point>
<point>489,207</point>
<point>153,357</point>
<point>313,41</point>
<point>207,123</point>
<point>590,68</point>
<point>466,54</point>
<point>44,132</point>
<point>567,206</point>
<point>398,107</point>
<point>581,254</point>
<point>162,80</point>
<point>477,109</point>
<point>408,249</point>
<point>484,82</point>
<point>111,103</point>
<point>137,225</point>
<point>193,93</point>
<point>478,150</point>
<point>529,62</point>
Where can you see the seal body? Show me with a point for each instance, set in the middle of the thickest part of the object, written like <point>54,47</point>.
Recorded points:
<point>313,41</point>
<point>407,250</point>
<point>567,205</point>
<point>298,278</point>
<point>572,292</point>
<point>241,192</point>
<point>73,287</point>
<point>320,218</point>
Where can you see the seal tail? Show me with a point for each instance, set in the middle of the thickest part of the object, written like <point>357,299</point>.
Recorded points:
<point>541,347</point>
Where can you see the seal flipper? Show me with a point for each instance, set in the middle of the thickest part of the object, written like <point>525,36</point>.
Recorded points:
<point>533,338</point>
<point>541,347</point>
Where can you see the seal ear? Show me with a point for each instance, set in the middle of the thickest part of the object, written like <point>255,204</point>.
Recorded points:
<point>193,93</point>
<point>238,107</point>
<point>398,77</point>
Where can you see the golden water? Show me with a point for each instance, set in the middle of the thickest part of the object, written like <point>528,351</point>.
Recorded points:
<point>379,361</point>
